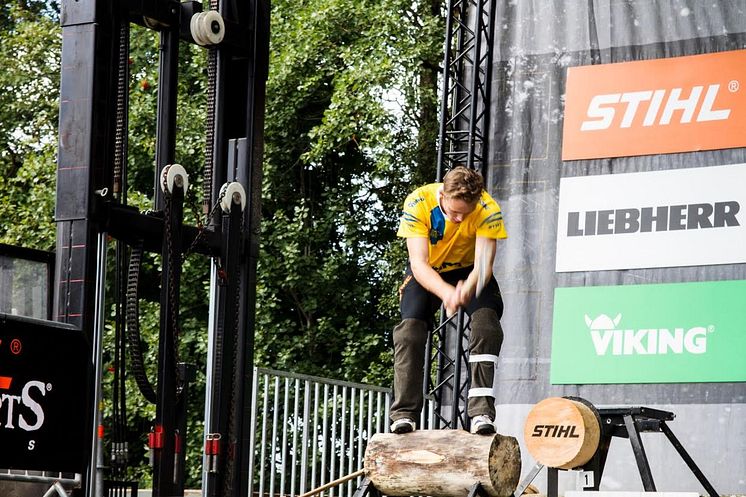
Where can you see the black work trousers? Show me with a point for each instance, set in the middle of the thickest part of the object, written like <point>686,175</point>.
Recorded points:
<point>418,307</point>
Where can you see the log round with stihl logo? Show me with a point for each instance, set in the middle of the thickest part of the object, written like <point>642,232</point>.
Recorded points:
<point>442,463</point>
<point>562,432</point>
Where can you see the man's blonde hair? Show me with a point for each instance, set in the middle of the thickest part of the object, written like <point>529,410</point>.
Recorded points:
<point>464,184</point>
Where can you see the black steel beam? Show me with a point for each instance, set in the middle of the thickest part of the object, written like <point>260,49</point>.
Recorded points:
<point>168,378</point>
<point>552,482</point>
<point>597,464</point>
<point>224,416</point>
<point>188,374</point>
<point>239,123</point>
<point>165,14</point>
<point>86,152</point>
<point>639,451</point>
<point>688,460</point>
<point>129,225</point>
<point>86,146</point>
<point>153,13</point>
<point>168,79</point>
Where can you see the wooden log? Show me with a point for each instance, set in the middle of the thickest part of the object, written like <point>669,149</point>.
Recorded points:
<point>562,433</point>
<point>442,463</point>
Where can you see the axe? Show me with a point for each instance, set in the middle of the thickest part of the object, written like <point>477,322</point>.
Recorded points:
<point>483,274</point>
<point>481,265</point>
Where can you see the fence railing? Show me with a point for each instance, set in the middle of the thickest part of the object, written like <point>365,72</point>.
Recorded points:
<point>308,431</point>
<point>58,482</point>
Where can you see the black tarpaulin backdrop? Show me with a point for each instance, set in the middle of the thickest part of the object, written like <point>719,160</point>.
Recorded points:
<point>536,41</point>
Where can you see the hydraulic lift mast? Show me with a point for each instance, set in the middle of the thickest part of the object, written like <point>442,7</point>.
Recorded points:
<point>87,211</point>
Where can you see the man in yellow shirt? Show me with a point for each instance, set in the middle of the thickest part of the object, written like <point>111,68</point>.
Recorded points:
<point>448,226</point>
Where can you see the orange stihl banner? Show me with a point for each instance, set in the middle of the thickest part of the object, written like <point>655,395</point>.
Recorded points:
<point>680,104</point>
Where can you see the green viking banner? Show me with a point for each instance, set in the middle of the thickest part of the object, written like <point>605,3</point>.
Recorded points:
<point>659,333</point>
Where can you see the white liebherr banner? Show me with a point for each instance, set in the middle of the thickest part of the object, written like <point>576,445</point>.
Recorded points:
<point>678,217</point>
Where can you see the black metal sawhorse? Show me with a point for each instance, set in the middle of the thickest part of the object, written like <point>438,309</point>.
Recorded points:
<point>625,422</point>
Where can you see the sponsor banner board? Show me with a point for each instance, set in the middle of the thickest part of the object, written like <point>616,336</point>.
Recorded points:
<point>44,410</point>
<point>658,333</point>
<point>661,106</point>
<point>678,217</point>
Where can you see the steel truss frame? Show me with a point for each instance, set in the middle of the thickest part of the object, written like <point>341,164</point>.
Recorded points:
<point>462,141</point>
<point>467,64</point>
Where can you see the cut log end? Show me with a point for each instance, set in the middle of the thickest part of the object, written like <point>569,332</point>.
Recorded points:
<point>505,465</point>
<point>562,432</point>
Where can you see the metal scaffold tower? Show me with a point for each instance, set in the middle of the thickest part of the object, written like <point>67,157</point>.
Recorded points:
<point>464,123</point>
<point>466,90</point>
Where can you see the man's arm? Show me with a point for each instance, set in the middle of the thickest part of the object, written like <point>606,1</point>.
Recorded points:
<point>484,259</point>
<point>429,278</point>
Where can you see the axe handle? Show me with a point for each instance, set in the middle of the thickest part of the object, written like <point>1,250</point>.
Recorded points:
<point>334,483</point>
<point>485,253</point>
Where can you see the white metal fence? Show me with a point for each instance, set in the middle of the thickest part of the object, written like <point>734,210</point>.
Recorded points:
<point>308,431</point>
<point>56,483</point>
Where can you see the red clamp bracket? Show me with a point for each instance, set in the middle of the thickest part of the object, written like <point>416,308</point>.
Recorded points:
<point>155,442</point>
<point>155,438</point>
<point>212,451</point>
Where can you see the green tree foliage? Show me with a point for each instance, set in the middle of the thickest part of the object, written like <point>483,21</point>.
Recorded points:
<point>29,85</point>
<point>350,128</point>
<point>346,97</point>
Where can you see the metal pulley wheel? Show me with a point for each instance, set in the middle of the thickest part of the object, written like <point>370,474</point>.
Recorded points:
<point>207,28</point>
<point>232,193</point>
<point>174,175</point>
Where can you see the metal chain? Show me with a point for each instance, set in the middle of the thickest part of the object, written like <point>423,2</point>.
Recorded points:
<point>202,227</point>
<point>121,112</point>
<point>212,78</point>
<point>133,326</point>
<point>171,284</point>
<point>212,71</point>
<point>207,192</point>
<point>232,410</point>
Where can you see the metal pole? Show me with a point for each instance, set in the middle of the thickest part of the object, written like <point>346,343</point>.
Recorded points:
<point>475,85</point>
<point>639,451</point>
<point>165,133</point>
<point>209,483</point>
<point>165,417</point>
<point>457,348</point>
<point>285,419</point>
<point>442,141</point>
<point>96,485</point>
<point>254,407</point>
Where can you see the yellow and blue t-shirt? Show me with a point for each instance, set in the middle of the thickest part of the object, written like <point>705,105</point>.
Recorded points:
<point>451,244</point>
